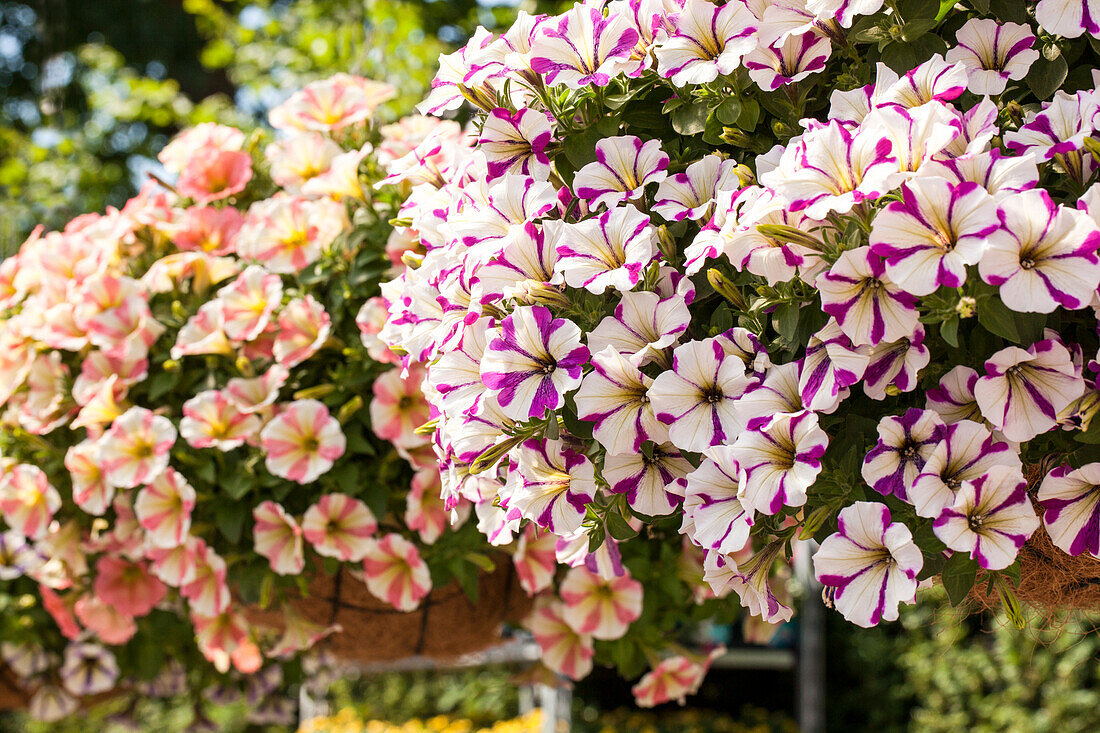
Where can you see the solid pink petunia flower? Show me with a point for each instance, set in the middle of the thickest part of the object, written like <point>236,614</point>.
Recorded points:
<point>395,572</point>
<point>163,508</point>
<point>277,536</point>
<point>104,620</point>
<point>135,449</point>
<point>339,526</point>
<point>302,441</point>
<point>601,607</point>
<point>211,174</point>
<point>127,586</point>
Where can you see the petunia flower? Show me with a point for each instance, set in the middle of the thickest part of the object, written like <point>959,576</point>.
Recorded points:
<point>623,167</point>
<point>17,556</point>
<point>1069,18</point>
<point>219,637</point>
<point>286,233</point>
<point>929,237</point>
<point>831,365</point>
<point>965,452</point>
<point>339,526</point>
<point>255,394</point>
<point>993,53</point>
<point>207,592</point>
<point>779,461</point>
<point>535,559</point>
<point>556,484</point>
<point>614,396</point>
<point>249,301</point>
<point>212,420</point>
<point>869,307</point>
<point>211,174</point>
<point>300,635</point>
<point>673,678</point>
<point>395,572</point>
<point>777,394</point>
<point>788,61</point>
<point>697,397</point>
<point>163,508</point>
<point>302,441</point>
<point>709,41</point>
<point>277,537</point>
<point>528,259</point>
<point>714,516</point>
<point>27,500</point>
<point>399,407</point>
<point>1023,391</point>
<point>1071,503</point>
<point>583,48</point>
<point>514,142</point>
<point>652,483</point>
<point>871,562</point>
<point>127,586</point>
<point>303,328</point>
<point>643,325</point>
<point>991,518</point>
<point>935,80</point>
<point>534,361</point>
<point>88,669</point>
<point>1043,256</point>
<point>601,607</point>
<point>51,703</point>
<point>135,449</point>
<point>895,366</point>
<point>331,104</point>
<point>425,512</point>
<point>904,444</point>
<point>297,159</point>
<point>751,581</point>
<point>611,250</point>
<point>109,626</point>
<point>562,649</point>
<point>953,398</point>
<point>204,333</point>
<point>689,195</point>
<point>175,566</point>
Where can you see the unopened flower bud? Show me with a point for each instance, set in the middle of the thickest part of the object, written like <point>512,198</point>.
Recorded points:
<point>733,136</point>
<point>170,365</point>
<point>315,392</point>
<point>349,408</point>
<point>726,289</point>
<point>411,259</point>
<point>244,366</point>
<point>178,310</point>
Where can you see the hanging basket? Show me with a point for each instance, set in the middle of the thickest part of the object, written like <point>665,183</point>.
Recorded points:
<point>1050,579</point>
<point>445,625</point>
<point>12,695</point>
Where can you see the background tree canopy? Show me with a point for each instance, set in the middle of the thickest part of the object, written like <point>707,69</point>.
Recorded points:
<point>92,90</point>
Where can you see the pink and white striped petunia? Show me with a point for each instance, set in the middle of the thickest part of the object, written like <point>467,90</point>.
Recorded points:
<point>1069,18</point>
<point>175,566</point>
<point>536,559</point>
<point>611,250</point>
<point>709,41</point>
<point>689,195</point>
<point>207,592</point>
<point>623,167</point>
<point>277,536</point>
<point>993,53</point>
<point>714,517</point>
<point>135,449</point>
<point>788,61</point>
<point>534,362</point>
<point>614,396</point>
<point>652,483</point>
<point>1023,391</point>
<point>674,678</point>
<point>399,407</point>
<point>249,301</point>
<point>563,650</point>
<point>871,562</point>
<point>304,326</point>
<point>1043,256</point>
<point>331,104</point>
<point>697,397</point>
<point>286,233</point>
<point>425,512</point>
<point>212,420</point>
<point>163,508</point>
<point>339,526</point>
<point>965,452</point>
<point>1071,502</point>
<point>991,518</point>
<point>257,393</point>
<point>779,461</point>
<point>644,324</point>
<point>515,142</point>
<point>583,48</point>
<point>556,483</point>
<point>27,500</point>
<point>395,572</point>
<point>601,607</point>
<point>869,307</point>
<point>929,237</point>
<point>904,444</point>
<point>302,441</point>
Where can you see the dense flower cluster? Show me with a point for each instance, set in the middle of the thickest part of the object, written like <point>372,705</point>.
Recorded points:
<point>704,266</point>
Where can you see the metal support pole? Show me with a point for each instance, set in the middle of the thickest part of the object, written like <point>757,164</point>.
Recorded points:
<point>811,644</point>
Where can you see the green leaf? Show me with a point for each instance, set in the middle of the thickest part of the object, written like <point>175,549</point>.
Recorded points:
<point>1090,436</point>
<point>959,574</point>
<point>785,319</point>
<point>619,528</point>
<point>982,6</point>
<point>580,148</point>
<point>913,9</point>
<point>914,29</point>
<point>162,383</point>
<point>1013,11</point>
<point>237,483</point>
<point>949,330</point>
<point>1046,75</point>
<point>690,119</point>
<point>901,57</point>
<point>750,115</point>
<point>230,521</point>
<point>996,318</point>
<point>728,111</point>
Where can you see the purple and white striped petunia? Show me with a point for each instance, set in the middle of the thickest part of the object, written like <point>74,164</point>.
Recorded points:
<point>788,61</point>
<point>953,397</point>
<point>582,48</point>
<point>999,174</point>
<point>714,517</point>
<point>689,195</point>
<point>1069,18</point>
<point>533,362</point>
<point>991,518</point>
<point>1060,128</point>
<point>88,669</point>
<point>750,581</point>
<point>608,251</point>
<point>555,484</point>
<point>916,134</point>
<point>832,168</point>
<point>644,325</point>
<point>653,483</point>
<point>842,11</point>
<point>929,237</point>
<point>830,366</point>
<point>869,307</point>
<point>1023,391</point>
<point>463,72</point>
<point>966,451</point>
<point>709,41</point>
<point>456,376</point>
<point>894,367</point>
<point>18,557</point>
<point>993,53</point>
<point>779,461</point>
<point>623,167</point>
<point>1043,256</point>
<point>871,561</point>
<point>528,259</point>
<point>614,396</point>
<point>696,397</point>
<point>1071,502</point>
<point>777,394</point>
<point>774,259</point>
<point>495,215</point>
<point>904,444</point>
<point>515,142</point>
<point>934,80</point>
